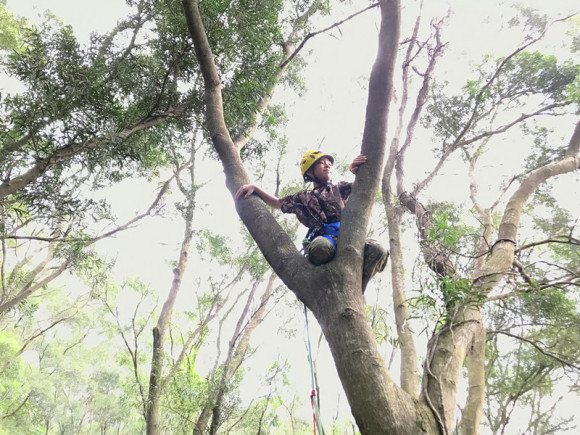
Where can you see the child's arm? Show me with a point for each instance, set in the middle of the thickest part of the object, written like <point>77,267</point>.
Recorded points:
<point>358,160</point>
<point>248,189</point>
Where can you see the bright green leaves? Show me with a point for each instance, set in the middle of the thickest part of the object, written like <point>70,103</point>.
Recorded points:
<point>217,246</point>
<point>443,232</point>
<point>220,249</point>
<point>10,28</point>
<point>504,85</point>
<point>535,73</point>
<point>461,293</point>
<point>439,299</point>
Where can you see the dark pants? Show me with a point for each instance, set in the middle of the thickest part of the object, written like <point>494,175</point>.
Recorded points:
<point>321,250</point>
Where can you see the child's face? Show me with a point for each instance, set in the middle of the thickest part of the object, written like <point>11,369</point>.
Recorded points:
<point>323,169</point>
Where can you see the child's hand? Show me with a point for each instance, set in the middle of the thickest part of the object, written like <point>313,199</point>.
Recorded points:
<point>245,191</point>
<point>358,160</point>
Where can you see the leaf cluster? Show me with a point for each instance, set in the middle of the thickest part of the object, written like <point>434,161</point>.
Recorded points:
<point>246,43</point>
<point>506,83</point>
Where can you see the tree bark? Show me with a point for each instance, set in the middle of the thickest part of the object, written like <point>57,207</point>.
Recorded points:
<point>473,410</point>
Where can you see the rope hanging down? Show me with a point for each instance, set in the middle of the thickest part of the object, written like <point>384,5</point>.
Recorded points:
<point>313,398</point>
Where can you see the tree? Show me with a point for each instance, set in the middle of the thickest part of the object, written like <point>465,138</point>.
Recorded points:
<point>91,116</point>
<point>88,117</point>
<point>468,120</point>
<point>332,292</point>
<point>89,109</point>
<point>340,309</point>
<point>61,380</point>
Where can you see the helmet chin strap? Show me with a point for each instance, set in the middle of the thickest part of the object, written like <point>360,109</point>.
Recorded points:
<point>317,180</point>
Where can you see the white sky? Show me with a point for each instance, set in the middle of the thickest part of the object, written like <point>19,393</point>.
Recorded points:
<point>330,116</point>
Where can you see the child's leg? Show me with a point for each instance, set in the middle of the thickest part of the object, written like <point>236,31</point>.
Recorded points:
<point>375,261</point>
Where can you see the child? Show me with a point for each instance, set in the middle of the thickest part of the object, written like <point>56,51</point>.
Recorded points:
<point>320,209</point>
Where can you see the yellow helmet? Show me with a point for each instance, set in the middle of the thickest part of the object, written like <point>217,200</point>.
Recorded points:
<point>309,159</point>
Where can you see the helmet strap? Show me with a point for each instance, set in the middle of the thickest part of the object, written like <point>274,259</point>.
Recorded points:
<point>314,179</point>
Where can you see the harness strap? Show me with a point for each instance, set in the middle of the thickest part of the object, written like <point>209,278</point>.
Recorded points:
<point>328,231</point>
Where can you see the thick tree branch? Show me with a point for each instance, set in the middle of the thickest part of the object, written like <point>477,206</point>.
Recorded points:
<point>273,241</point>
<point>502,253</point>
<point>67,152</point>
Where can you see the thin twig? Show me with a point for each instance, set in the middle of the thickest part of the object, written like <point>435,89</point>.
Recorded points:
<point>312,34</point>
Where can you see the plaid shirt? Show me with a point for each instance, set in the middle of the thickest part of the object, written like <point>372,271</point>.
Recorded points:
<point>321,205</point>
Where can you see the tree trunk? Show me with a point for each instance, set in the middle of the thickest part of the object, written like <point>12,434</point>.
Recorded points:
<point>409,369</point>
<point>449,347</point>
<point>377,404</point>
<point>155,379</point>
<point>153,406</point>
<point>446,354</point>
<point>473,411</point>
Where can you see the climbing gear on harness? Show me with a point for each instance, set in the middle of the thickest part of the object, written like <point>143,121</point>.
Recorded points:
<point>313,398</point>
<point>309,158</point>
<point>320,245</point>
<point>328,231</point>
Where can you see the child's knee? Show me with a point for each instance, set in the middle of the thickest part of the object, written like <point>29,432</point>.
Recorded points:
<point>320,251</point>
<point>376,256</point>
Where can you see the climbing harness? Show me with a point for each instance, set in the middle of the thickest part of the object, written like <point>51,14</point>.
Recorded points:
<point>313,399</point>
<point>328,231</point>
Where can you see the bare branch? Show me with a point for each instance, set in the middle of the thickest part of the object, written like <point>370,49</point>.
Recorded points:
<point>564,239</point>
<point>313,34</point>
<point>538,348</point>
